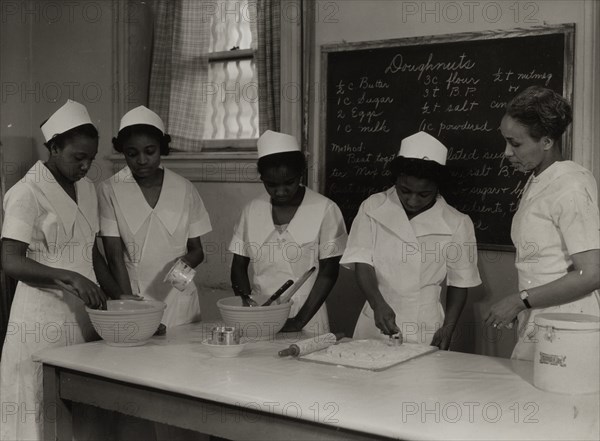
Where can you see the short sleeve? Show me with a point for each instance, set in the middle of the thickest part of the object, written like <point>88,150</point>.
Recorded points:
<point>199,218</point>
<point>108,218</point>
<point>461,257</point>
<point>359,248</point>
<point>332,236</point>
<point>576,215</point>
<point>20,213</point>
<point>239,241</point>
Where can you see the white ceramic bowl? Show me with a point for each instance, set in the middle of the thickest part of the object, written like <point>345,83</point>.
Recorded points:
<point>254,322</point>
<point>127,322</point>
<point>224,350</point>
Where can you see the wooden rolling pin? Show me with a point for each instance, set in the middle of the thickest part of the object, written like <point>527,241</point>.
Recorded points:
<point>311,344</point>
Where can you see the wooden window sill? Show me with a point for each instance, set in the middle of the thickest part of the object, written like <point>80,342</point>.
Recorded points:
<point>207,166</point>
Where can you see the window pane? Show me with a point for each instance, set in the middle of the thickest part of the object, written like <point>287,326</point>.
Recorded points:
<point>231,100</point>
<point>230,24</point>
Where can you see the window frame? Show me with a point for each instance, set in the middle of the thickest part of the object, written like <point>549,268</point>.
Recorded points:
<point>223,154</point>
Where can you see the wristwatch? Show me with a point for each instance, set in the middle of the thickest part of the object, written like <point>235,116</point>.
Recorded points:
<point>524,296</point>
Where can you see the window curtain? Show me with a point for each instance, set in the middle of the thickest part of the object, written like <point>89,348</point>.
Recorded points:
<point>268,26</point>
<point>179,70</point>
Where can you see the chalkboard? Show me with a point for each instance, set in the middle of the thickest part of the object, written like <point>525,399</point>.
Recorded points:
<point>455,87</point>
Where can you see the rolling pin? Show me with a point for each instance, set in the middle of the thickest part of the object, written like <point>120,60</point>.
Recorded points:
<point>313,344</point>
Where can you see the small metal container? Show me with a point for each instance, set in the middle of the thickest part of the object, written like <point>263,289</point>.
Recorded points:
<point>225,335</point>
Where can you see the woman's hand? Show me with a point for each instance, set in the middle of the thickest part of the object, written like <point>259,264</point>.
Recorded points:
<point>443,337</point>
<point>385,318</point>
<point>130,297</point>
<point>504,312</point>
<point>82,287</point>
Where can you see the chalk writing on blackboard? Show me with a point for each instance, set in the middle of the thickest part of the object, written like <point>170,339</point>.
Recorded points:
<point>454,87</point>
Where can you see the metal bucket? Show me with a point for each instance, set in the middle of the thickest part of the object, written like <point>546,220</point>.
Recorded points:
<point>567,358</point>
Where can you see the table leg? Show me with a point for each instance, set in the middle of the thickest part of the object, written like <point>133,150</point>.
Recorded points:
<point>57,418</point>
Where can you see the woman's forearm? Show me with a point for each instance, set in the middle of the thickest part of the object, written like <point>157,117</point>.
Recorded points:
<point>17,265</point>
<point>574,285</point>
<point>367,282</point>
<point>108,284</point>
<point>326,278</point>
<point>455,302</point>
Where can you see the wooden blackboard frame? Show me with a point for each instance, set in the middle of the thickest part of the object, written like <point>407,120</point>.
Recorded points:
<point>567,30</point>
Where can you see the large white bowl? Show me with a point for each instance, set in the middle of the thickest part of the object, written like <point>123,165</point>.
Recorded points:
<point>127,322</point>
<point>256,322</point>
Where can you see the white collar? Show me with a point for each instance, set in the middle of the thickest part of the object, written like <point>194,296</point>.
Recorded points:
<point>304,226</point>
<point>536,184</point>
<point>136,210</point>
<point>392,215</point>
<point>65,207</point>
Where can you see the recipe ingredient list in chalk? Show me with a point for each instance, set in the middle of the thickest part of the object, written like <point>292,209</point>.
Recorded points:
<point>454,90</point>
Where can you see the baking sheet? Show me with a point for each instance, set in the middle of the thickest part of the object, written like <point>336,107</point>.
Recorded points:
<point>400,354</point>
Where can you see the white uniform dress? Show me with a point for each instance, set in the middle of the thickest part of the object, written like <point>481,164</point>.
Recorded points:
<point>154,238</point>
<point>60,234</point>
<point>412,258</point>
<point>317,231</point>
<point>557,217</point>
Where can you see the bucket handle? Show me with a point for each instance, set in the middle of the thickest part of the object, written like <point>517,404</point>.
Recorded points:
<point>549,334</point>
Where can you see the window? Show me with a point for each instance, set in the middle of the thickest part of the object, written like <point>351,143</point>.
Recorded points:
<point>231,92</point>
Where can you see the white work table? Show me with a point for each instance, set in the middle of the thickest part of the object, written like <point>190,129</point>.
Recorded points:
<point>257,395</point>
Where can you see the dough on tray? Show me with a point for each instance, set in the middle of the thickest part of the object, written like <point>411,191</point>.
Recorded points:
<point>372,350</point>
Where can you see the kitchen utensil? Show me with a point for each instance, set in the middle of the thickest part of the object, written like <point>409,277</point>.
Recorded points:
<point>258,323</point>
<point>397,355</point>
<point>127,322</point>
<point>395,339</point>
<point>566,353</point>
<point>246,299</point>
<point>180,275</point>
<point>278,293</point>
<point>223,351</point>
<point>311,344</point>
<point>225,335</point>
<point>297,284</point>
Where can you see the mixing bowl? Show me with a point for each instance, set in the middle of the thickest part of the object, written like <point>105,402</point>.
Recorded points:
<point>256,322</point>
<point>127,322</point>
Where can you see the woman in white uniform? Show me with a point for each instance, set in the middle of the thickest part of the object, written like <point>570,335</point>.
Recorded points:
<point>150,217</point>
<point>285,233</point>
<point>404,243</point>
<point>556,228</point>
<point>49,246</point>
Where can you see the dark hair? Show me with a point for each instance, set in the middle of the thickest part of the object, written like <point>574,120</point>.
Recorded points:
<point>292,160</point>
<point>419,168</point>
<point>543,111</point>
<point>142,129</point>
<point>59,141</point>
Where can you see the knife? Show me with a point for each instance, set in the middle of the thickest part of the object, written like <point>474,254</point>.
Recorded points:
<point>297,285</point>
<point>278,293</point>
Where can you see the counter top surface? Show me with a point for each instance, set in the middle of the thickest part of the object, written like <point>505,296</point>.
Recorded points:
<point>443,395</point>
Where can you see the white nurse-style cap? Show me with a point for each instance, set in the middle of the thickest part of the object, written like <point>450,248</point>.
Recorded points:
<point>142,115</point>
<point>70,115</point>
<point>274,142</point>
<point>421,145</point>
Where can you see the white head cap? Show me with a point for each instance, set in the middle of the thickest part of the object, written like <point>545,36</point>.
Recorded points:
<point>142,115</point>
<point>274,142</point>
<point>421,145</point>
<point>70,115</point>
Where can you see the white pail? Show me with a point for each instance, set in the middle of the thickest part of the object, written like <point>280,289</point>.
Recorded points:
<point>567,353</point>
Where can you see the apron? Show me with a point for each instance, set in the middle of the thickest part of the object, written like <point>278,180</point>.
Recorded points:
<point>277,257</point>
<point>155,240</point>
<point>544,262</point>
<point>46,318</point>
<point>410,268</point>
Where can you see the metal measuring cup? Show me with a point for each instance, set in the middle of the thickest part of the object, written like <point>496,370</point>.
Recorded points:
<point>225,335</point>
